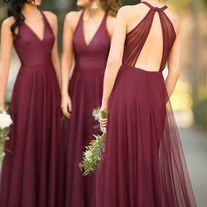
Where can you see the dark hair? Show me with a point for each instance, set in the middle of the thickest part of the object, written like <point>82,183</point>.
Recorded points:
<point>14,9</point>
<point>111,6</point>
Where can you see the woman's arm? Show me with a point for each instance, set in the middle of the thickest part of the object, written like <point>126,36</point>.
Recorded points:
<point>115,57</point>
<point>55,57</point>
<point>67,54</point>
<point>67,62</point>
<point>174,63</point>
<point>111,21</point>
<point>5,56</point>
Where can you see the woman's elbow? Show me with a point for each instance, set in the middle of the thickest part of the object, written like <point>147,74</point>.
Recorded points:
<point>113,63</point>
<point>175,72</point>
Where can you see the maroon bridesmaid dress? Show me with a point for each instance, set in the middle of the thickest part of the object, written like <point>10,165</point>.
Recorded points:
<point>143,163</point>
<point>32,170</point>
<point>85,89</point>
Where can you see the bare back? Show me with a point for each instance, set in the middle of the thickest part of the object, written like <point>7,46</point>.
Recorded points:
<point>148,43</point>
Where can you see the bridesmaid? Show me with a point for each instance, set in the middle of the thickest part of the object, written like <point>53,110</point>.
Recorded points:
<point>86,40</point>
<point>33,166</point>
<point>143,162</point>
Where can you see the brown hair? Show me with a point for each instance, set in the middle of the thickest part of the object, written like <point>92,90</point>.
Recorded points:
<point>111,6</point>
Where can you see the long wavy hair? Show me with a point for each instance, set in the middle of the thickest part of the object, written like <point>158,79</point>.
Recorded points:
<point>111,6</point>
<point>14,9</point>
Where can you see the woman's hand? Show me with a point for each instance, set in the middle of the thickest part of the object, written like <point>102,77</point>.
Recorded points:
<point>103,118</point>
<point>66,105</point>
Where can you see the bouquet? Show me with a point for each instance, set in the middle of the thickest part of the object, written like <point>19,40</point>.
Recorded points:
<point>93,153</point>
<point>5,123</point>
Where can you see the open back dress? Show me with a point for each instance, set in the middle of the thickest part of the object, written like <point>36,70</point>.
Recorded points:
<point>143,163</point>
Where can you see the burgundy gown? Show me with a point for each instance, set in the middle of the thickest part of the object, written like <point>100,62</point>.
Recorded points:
<point>32,170</point>
<point>143,163</point>
<point>85,89</point>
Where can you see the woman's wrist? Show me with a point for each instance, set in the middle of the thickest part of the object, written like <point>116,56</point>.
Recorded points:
<point>104,105</point>
<point>64,92</point>
<point>64,87</point>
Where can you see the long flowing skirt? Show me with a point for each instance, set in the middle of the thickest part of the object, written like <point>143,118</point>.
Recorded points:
<point>32,171</point>
<point>143,163</point>
<point>86,88</point>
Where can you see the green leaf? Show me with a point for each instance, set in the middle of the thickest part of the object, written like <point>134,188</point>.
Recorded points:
<point>92,155</point>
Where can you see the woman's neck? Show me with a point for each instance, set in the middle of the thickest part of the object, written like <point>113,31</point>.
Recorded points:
<point>94,12</point>
<point>29,10</point>
<point>154,2</point>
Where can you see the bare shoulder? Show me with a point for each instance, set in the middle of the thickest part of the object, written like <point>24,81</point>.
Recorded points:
<point>8,22</point>
<point>73,15</point>
<point>124,10</point>
<point>72,18</point>
<point>174,18</point>
<point>6,27</point>
<point>111,21</point>
<point>124,13</point>
<point>130,12</point>
<point>51,17</point>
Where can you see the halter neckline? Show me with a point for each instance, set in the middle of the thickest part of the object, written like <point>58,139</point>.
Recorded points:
<point>154,8</point>
<point>137,37</point>
<point>44,19</point>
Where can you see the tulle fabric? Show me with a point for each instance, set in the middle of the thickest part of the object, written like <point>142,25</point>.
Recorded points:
<point>137,37</point>
<point>175,181</point>
<point>32,171</point>
<point>143,162</point>
<point>85,89</point>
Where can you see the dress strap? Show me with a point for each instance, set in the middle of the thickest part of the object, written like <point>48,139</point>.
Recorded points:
<point>105,16</point>
<point>44,17</point>
<point>154,8</point>
<point>137,37</point>
<point>46,22</point>
<point>103,23</point>
<point>81,18</point>
<point>80,21</point>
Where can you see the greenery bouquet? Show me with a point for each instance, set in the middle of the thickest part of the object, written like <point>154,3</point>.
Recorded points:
<point>93,152</point>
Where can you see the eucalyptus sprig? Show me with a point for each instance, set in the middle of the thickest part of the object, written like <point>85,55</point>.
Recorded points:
<point>93,152</point>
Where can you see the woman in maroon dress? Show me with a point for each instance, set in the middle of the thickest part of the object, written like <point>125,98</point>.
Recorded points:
<point>86,40</point>
<point>143,163</point>
<point>33,166</point>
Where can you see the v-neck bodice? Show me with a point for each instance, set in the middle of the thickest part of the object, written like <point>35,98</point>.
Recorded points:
<point>91,56</point>
<point>30,48</point>
<point>103,21</point>
<point>32,31</point>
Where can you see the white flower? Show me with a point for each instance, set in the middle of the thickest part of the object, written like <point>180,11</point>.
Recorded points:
<point>95,113</point>
<point>7,138</point>
<point>5,120</point>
